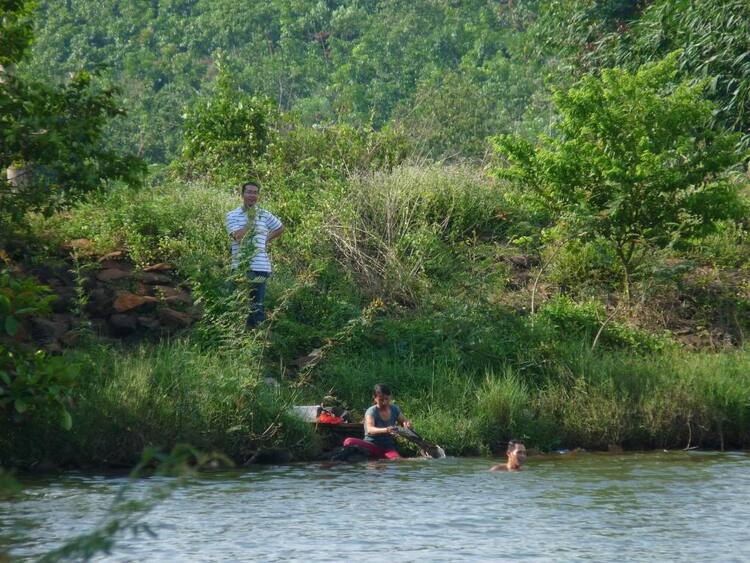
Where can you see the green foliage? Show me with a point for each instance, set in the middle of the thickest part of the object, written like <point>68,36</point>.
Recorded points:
<point>713,40</point>
<point>30,381</point>
<point>16,30</point>
<point>225,133</point>
<point>581,322</point>
<point>332,62</point>
<point>53,135</point>
<point>636,162</point>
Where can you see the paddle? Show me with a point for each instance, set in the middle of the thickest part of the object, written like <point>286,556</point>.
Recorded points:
<point>428,448</point>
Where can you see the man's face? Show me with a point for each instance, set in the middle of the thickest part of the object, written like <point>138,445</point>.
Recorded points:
<point>518,455</point>
<point>250,195</point>
<point>382,401</point>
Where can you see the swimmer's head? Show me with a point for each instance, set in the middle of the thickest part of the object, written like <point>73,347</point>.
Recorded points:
<point>516,453</point>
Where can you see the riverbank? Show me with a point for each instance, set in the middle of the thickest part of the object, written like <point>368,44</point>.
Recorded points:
<point>175,392</point>
<point>440,281</point>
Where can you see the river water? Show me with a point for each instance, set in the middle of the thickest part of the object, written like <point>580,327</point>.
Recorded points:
<point>672,506</point>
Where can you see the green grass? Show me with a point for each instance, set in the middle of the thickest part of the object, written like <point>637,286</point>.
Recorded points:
<point>424,299</point>
<point>160,395</point>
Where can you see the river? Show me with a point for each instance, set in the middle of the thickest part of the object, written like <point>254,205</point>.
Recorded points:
<point>671,506</point>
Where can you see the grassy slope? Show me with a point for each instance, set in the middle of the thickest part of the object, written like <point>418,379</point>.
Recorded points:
<point>423,278</point>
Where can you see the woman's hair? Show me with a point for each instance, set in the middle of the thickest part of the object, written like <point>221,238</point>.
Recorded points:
<point>247,183</point>
<point>513,444</point>
<point>381,389</point>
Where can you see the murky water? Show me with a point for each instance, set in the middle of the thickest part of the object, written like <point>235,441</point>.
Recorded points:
<point>673,506</point>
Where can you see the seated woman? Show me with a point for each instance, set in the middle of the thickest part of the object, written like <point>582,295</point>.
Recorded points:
<point>381,421</point>
<point>516,453</point>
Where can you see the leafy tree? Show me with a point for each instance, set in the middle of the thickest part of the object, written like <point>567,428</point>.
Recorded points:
<point>714,42</point>
<point>53,133</point>
<point>635,161</point>
<point>225,133</point>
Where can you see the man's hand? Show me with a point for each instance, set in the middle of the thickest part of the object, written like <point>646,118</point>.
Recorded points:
<point>407,424</point>
<point>240,233</point>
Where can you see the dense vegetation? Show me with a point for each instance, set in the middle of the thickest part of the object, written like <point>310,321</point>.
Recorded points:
<point>529,221</point>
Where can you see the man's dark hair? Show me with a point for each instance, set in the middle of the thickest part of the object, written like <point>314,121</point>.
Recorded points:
<point>381,389</point>
<point>513,444</point>
<point>247,183</point>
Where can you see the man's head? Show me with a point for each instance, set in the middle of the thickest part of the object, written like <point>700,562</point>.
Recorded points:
<point>516,453</point>
<point>249,191</point>
<point>381,395</point>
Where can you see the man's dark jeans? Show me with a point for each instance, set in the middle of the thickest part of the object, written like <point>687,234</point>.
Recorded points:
<point>258,282</point>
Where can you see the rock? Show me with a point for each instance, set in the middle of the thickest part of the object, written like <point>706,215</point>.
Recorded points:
<point>66,298</point>
<point>122,325</point>
<point>312,358</point>
<point>70,338</point>
<point>79,244</point>
<point>160,267</point>
<point>173,294</point>
<point>112,274</point>
<point>100,301</point>
<point>125,301</point>
<point>153,278</point>
<point>174,319</point>
<point>165,290</point>
<point>116,255</point>
<point>149,323</point>
<point>99,326</point>
<point>520,261</point>
<point>117,264</point>
<point>49,329</point>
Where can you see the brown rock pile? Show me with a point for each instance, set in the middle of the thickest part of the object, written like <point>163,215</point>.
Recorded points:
<point>120,300</point>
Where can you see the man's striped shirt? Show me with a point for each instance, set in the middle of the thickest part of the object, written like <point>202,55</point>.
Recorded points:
<point>265,222</point>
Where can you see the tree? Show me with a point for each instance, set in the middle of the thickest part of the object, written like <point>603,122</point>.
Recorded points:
<point>225,133</point>
<point>636,161</point>
<point>53,133</point>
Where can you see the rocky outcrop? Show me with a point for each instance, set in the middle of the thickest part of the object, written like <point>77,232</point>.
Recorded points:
<point>117,299</point>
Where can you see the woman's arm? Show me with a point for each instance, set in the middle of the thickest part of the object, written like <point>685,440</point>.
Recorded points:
<point>371,429</point>
<point>405,422</point>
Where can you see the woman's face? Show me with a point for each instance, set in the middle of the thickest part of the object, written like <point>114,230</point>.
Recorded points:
<point>382,401</point>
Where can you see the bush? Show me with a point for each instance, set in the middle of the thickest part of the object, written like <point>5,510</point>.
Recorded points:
<point>637,162</point>
<point>31,383</point>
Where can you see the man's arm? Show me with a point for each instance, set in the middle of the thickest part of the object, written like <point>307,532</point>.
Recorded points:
<point>276,233</point>
<point>239,234</point>
<point>234,230</point>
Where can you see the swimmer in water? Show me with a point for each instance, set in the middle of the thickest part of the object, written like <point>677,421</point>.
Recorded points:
<point>516,453</point>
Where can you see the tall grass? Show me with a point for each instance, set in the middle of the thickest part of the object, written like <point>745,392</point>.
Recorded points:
<point>395,229</point>
<point>161,395</point>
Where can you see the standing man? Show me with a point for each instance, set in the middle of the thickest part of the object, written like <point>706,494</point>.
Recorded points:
<point>251,229</point>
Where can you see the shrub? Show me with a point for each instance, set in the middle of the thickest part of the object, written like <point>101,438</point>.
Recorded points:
<point>30,381</point>
<point>636,162</point>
